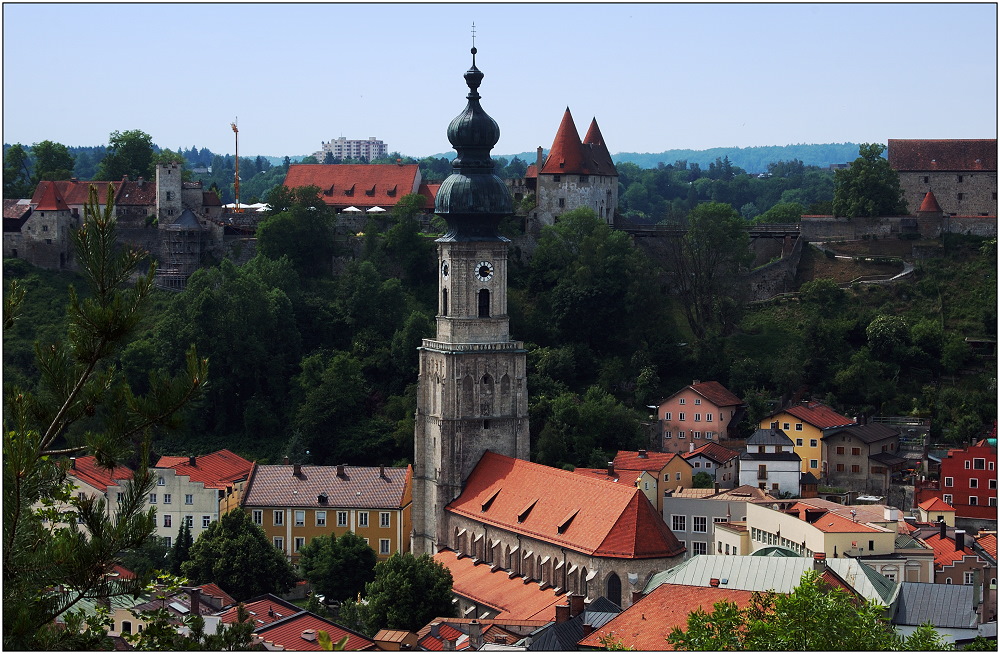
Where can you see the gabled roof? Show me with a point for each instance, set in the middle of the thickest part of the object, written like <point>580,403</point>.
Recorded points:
<point>645,625</point>
<point>929,204</point>
<point>85,469</point>
<point>263,609</point>
<point>624,477</point>
<point>945,553</point>
<point>512,598</point>
<point>288,633</point>
<point>713,451</point>
<point>563,636</point>
<point>560,507</point>
<point>744,493</point>
<point>138,193</point>
<point>770,437</point>
<point>648,461</point>
<point>712,391</point>
<point>831,523</point>
<point>76,192</point>
<point>360,185</point>
<point>865,433</point>
<point>458,632</point>
<point>359,487</point>
<point>989,544</point>
<point>187,220</point>
<point>943,605</point>
<point>943,154</point>
<point>215,470</point>
<point>816,414</point>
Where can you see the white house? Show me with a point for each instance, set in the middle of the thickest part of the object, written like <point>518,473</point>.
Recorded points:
<point>770,463</point>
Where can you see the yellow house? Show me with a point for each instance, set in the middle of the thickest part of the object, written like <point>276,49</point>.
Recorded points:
<point>805,424</point>
<point>669,470</point>
<point>296,503</point>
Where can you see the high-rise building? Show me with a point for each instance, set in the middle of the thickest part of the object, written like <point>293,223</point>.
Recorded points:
<point>343,148</point>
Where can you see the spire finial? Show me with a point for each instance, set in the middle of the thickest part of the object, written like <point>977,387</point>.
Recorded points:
<point>474,51</point>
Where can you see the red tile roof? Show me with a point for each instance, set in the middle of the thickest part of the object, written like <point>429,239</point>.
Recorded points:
<point>714,451</point>
<point>359,487</point>
<point>651,462</point>
<point>576,511</point>
<point>566,153</point>
<point>602,474</point>
<point>512,598</point>
<point>935,504</point>
<point>943,154</point>
<point>646,624</point>
<point>989,544</point>
<point>48,198</point>
<point>716,393</point>
<point>944,550</point>
<point>86,470</point>
<point>831,523</point>
<point>216,470</point>
<point>288,633</point>
<point>76,192</point>
<point>262,612</point>
<point>816,414</point>
<point>213,590</point>
<point>369,185</point>
<point>600,157</point>
<point>930,203</point>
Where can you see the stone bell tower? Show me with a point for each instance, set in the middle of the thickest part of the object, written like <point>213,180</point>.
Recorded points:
<point>472,393</point>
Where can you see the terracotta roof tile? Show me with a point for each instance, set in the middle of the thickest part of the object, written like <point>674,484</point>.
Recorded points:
<point>386,183</point>
<point>213,590</point>
<point>935,504</point>
<point>276,485</point>
<point>646,624</point>
<point>288,633</point>
<point>943,154</point>
<point>566,153</point>
<point>602,474</point>
<point>86,470</point>
<point>141,193</point>
<point>944,550</point>
<point>816,414</point>
<point>989,544</point>
<point>651,462</point>
<point>930,204</point>
<point>832,523</point>
<point>262,611</point>
<point>600,159</point>
<point>512,598</point>
<point>216,470</point>
<point>714,451</point>
<point>48,198</point>
<point>611,520</point>
<point>716,393</point>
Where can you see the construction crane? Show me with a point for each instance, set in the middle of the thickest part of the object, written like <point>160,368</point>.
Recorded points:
<point>237,133</point>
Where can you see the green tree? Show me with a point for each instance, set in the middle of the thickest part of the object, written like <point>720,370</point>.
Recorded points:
<point>181,550</point>
<point>302,232</point>
<point>781,213</point>
<point>52,161</point>
<point>707,262</point>
<point>17,182</point>
<point>702,480</point>
<point>129,153</point>
<point>147,559</point>
<point>60,554</point>
<point>338,568</point>
<point>236,554</point>
<point>869,187</point>
<point>583,431</point>
<point>407,593</point>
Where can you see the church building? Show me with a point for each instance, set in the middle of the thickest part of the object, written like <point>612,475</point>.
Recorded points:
<point>475,494</point>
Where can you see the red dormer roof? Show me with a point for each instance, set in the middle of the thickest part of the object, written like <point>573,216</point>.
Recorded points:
<point>943,154</point>
<point>714,451</point>
<point>930,204</point>
<point>935,504</point>
<point>85,469</point>
<point>650,462</point>
<point>358,185</point>
<point>816,414</point>
<point>566,153</point>
<point>216,470</point>
<point>48,198</point>
<point>557,506</point>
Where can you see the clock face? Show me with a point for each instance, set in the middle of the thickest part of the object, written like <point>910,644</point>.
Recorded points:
<point>444,269</point>
<point>484,271</point>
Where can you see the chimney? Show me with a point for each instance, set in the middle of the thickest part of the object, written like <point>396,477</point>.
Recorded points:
<point>713,582</point>
<point>819,561</point>
<point>587,629</point>
<point>285,461</point>
<point>944,529</point>
<point>381,472</point>
<point>72,463</point>
<point>717,487</point>
<point>449,645</point>
<point>192,461</point>
<point>891,513</point>
<point>435,629</point>
<point>476,635</point>
<point>297,470</point>
<point>538,160</point>
<point>309,634</point>
<point>696,382</point>
<point>959,540</point>
<point>636,596</point>
<point>643,454</point>
<point>690,447</point>
<point>611,468</point>
<point>576,605</point>
<point>195,594</point>
<point>562,613</point>
<point>340,470</point>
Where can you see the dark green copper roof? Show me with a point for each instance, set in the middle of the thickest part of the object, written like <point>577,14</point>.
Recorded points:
<point>473,199</point>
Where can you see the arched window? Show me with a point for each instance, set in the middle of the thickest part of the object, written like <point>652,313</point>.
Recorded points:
<point>486,395</point>
<point>484,303</point>
<point>444,302</point>
<point>614,589</point>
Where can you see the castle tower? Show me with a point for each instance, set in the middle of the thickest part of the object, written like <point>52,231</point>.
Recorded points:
<point>168,192</point>
<point>472,391</point>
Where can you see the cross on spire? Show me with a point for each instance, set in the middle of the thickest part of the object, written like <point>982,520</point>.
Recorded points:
<point>473,34</point>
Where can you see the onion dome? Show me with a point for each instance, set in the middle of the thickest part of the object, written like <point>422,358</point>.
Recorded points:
<point>473,199</point>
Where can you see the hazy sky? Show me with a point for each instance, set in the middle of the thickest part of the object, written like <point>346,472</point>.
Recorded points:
<point>656,76</point>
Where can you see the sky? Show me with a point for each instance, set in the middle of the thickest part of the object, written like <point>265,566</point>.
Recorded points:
<point>655,76</point>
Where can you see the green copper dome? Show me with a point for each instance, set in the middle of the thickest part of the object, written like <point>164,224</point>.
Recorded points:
<point>473,199</point>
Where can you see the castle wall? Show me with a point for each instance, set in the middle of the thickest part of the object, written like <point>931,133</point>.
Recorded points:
<point>957,192</point>
<point>558,194</point>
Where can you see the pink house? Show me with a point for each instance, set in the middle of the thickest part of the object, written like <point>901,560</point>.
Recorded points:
<point>699,413</point>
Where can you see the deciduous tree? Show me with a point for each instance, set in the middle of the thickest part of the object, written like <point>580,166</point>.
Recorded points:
<point>129,153</point>
<point>869,187</point>
<point>52,161</point>
<point>338,568</point>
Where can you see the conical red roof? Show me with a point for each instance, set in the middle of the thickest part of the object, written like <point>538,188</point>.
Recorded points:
<point>49,199</point>
<point>566,154</point>
<point>930,204</point>
<point>601,162</point>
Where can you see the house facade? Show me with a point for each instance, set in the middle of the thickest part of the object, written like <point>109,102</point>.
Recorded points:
<point>720,462</point>
<point>344,148</point>
<point>961,173</point>
<point>862,457</point>
<point>295,503</point>
<point>698,413</point>
<point>693,520</point>
<point>770,464</point>
<point>805,423</point>
<point>969,480</point>
<point>667,470</point>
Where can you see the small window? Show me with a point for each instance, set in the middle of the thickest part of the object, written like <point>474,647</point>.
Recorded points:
<point>697,417</point>
<point>786,426</point>
<point>167,520</point>
<point>813,442</point>
<point>362,518</point>
<point>798,442</point>
<point>840,450</point>
<point>278,519</point>
<point>321,518</point>
<point>993,484</point>
<point>667,416</point>
<point>840,467</point>
<point>968,578</point>
<point>167,498</point>
<point>341,518</point>
<point>709,435</point>
<point>696,434</point>
<point>557,178</point>
<point>949,482</point>
<point>968,465</point>
<point>383,546</point>
<point>189,521</point>
<point>855,451</point>
<point>961,196</point>
<point>699,548</point>
<point>678,476</point>
<point>279,543</point>
<point>927,180</point>
<point>258,517</point>
<point>708,417</point>
<point>798,426</point>
<point>814,464</point>
<point>126,627</point>
<point>947,581</point>
<point>973,483</point>
<point>680,416</point>
<point>697,401</point>
<point>678,522</point>
<point>300,518</point>
<point>484,303</point>
<point>300,542</point>
<point>979,464</point>
<point>160,481</point>
<point>562,202</point>
<point>856,468</point>
<point>681,401</point>
<point>699,524</point>
<point>584,178</point>
<point>383,519</point>
<point>152,498</point>
<point>681,434</point>
<point>189,499</point>
<point>973,500</point>
<point>667,434</point>
<point>947,498</point>
<point>206,521</point>
<point>959,179</point>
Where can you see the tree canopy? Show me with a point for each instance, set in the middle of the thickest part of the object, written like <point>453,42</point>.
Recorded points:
<point>338,568</point>
<point>869,187</point>
<point>129,153</point>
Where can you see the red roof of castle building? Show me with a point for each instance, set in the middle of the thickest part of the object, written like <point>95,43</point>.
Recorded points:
<point>216,470</point>
<point>930,204</point>
<point>713,451</point>
<point>599,154</point>
<point>816,414</point>
<point>358,185</point>
<point>511,597</point>
<point>557,506</point>
<point>935,504</point>
<point>943,154</point>
<point>566,153</point>
<point>645,625</point>
<point>85,469</point>
<point>48,198</point>
<point>289,634</point>
<point>649,461</point>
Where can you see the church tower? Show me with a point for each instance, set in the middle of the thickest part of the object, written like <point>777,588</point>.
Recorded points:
<point>472,393</point>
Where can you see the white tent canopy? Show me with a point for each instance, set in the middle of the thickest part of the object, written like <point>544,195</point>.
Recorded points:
<point>376,210</point>
<point>351,209</point>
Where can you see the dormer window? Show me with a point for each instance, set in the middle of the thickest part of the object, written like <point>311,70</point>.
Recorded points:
<point>523,513</point>
<point>350,191</point>
<point>370,192</point>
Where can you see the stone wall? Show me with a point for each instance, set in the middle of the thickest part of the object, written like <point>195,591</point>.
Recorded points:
<point>831,228</point>
<point>974,195</point>
<point>558,194</point>
<point>776,277</point>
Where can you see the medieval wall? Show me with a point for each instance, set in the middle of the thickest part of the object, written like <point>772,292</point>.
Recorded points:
<point>958,193</point>
<point>558,194</point>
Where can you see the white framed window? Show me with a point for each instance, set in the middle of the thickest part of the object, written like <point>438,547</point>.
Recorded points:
<point>949,482</point>
<point>697,400</point>
<point>798,426</point>
<point>786,427</point>
<point>696,434</point>
<point>299,543</point>
<point>813,442</point>
<point>678,522</point>
<point>681,401</point>
<point>992,501</point>
<point>699,524</point>
<point>258,516</point>
<point>189,521</point>
<point>968,465</point>
<point>979,464</point>
<point>341,518</point>
<point>666,416</point>
<point>718,519</point>
<point>152,498</point>
<point>160,481</point>
<point>383,519</point>
<point>206,520</point>
<point>167,498</point>
<point>383,545</point>
<point>993,483</point>
<point>973,500</point>
<point>968,578</point>
<point>321,518</point>
<point>680,416</point>
<point>708,417</point>
<point>667,434</point>
<point>167,520</point>
<point>680,434</point>
<point>947,498</point>
<point>279,543</point>
<point>278,519</point>
<point>699,547</point>
<point>362,518</point>
<point>168,541</point>
<point>709,435</point>
<point>189,499</point>
<point>708,464</point>
<point>677,476</point>
<point>813,463</point>
<point>697,417</point>
<point>300,518</point>
<point>798,442</point>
